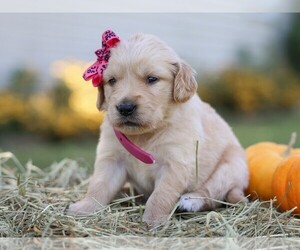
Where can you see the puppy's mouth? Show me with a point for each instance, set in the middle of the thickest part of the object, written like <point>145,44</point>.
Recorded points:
<point>130,123</point>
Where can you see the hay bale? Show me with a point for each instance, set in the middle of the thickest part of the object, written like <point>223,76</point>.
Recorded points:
<point>32,204</point>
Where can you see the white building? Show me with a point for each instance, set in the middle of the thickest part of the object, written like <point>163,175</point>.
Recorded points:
<point>207,41</point>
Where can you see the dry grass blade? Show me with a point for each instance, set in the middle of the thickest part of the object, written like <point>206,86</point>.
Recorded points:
<point>32,203</point>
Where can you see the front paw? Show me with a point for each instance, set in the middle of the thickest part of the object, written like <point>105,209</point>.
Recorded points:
<point>85,207</point>
<point>191,203</point>
<point>154,220</point>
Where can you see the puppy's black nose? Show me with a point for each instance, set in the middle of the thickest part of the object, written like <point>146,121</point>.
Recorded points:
<point>126,108</point>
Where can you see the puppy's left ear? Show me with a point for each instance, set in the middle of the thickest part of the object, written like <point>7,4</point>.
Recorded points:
<point>185,84</point>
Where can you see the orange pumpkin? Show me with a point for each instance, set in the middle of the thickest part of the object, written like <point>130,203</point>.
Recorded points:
<point>274,170</point>
<point>286,184</point>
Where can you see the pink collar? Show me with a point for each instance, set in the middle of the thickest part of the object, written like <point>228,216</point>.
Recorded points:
<point>133,149</point>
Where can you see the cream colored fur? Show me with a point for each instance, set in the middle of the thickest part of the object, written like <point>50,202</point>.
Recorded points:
<point>171,119</point>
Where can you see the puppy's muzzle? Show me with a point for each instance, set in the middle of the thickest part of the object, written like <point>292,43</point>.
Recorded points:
<point>126,108</point>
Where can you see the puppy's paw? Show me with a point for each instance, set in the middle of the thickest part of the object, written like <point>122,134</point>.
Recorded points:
<point>191,203</point>
<point>84,207</point>
<point>155,220</point>
<point>236,195</point>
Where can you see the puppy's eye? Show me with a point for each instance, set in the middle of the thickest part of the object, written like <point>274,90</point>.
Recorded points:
<point>152,79</point>
<point>112,81</point>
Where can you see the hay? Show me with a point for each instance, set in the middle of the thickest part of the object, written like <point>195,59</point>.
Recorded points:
<point>32,203</point>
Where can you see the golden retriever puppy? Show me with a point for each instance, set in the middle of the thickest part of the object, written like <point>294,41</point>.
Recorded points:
<point>149,94</point>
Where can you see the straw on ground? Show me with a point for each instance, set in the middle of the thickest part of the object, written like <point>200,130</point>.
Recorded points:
<point>32,203</point>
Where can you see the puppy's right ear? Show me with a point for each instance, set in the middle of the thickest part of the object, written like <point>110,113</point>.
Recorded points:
<point>100,98</point>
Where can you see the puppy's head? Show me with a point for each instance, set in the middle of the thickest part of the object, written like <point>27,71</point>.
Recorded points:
<point>143,82</point>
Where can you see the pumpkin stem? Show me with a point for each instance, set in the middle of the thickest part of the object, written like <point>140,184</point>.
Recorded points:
<point>291,144</point>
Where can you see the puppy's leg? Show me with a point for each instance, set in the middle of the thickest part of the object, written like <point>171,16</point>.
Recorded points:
<point>108,178</point>
<point>167,191</point>
<point>227,182</point>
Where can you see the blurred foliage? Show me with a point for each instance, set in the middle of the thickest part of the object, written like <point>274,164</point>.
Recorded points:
<point>257,86</point>
<point>292,45</point>
<point>247,91</point>
<point>66,110</point>
<point>13,110</point>
<point>60,95</point>
<point>23,82</point>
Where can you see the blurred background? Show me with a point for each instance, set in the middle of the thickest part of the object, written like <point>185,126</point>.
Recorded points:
<point>248,68</point>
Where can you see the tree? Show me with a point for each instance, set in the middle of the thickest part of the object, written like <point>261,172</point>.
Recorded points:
<point>293,43</point>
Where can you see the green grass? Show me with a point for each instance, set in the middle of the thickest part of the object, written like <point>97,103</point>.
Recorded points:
<point>271,127</point>
<point>43,153</point>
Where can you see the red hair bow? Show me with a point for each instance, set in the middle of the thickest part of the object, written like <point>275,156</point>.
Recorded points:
<point>95,71</point>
